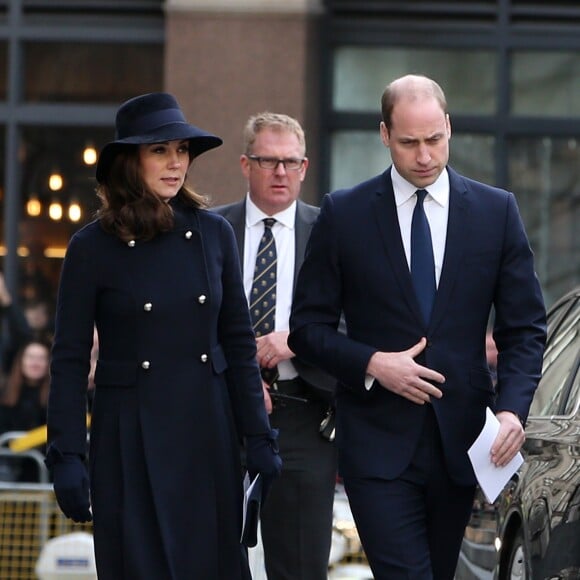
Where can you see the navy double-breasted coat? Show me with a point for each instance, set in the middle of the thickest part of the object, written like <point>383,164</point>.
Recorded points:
<point>177,386</point>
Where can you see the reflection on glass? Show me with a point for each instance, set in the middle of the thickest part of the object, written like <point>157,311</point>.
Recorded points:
<point>359,155</point>
<point>361,74</point>
<point>546,84</point>
<point>544,173</point>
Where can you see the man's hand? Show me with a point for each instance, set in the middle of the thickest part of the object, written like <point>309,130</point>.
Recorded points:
<point>273,348</point>
<point>399,373</point>
<point>509,440</point>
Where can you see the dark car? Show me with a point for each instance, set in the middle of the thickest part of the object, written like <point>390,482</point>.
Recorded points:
<point>532,531</point>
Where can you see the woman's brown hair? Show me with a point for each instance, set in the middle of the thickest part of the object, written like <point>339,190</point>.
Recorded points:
<point>128,209</point>
<point>11,392</point>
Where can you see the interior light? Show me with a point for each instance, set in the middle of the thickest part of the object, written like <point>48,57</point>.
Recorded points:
<point>22,251</point>
<point>33,206</point>
<point>55,211</point>
<point>74,211</point>
<point>54,252</point>
<point>89,155</point>
<point>55,181</point>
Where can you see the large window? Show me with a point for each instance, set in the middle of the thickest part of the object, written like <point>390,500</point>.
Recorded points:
<point>64,68</point>
<point>511,76</point>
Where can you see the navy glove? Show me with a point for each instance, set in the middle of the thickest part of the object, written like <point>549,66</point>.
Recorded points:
<point>71,484</point>
<point>262,456</point>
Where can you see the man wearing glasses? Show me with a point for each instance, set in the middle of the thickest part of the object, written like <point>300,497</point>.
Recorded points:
<point>272,228</point>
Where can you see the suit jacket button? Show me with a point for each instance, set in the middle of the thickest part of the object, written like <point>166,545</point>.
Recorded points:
<point>147,306</point>
<point>145,365</point>
<point>188,235</point>
<point>203,358</point>
<point>131,243</point>
<point>202,298</point>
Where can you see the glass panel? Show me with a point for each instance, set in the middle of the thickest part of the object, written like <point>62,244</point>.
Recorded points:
<point>75,72</point>
<point>559,360</point>
<point>546,84</point>
<point>360,76</point>
<point>53,151</point>
<point>358,155</point>
<point>2,184</point>
<point>3,70</point>
<point>544,173</point>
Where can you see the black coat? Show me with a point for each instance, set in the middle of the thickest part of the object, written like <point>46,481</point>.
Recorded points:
<point>177,386</point>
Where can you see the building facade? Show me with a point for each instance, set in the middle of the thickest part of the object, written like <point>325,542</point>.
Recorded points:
<point>510,69</point>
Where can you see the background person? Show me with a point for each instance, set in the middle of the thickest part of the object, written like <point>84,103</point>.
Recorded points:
<point>176,382</point>
<point>416,275</point>
<point>23,400</point>
<point>297,520</point>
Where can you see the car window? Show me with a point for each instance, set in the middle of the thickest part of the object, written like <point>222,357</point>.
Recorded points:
<point>560,360</point>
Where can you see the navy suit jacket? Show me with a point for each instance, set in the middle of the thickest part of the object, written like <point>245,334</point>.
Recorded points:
<point>306,215</point>
<point>356,264</point>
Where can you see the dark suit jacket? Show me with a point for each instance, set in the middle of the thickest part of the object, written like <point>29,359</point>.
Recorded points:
<point>356,264</point>
<point>306,215</point>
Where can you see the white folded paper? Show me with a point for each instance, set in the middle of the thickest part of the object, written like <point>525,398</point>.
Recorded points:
<point>491,479</point>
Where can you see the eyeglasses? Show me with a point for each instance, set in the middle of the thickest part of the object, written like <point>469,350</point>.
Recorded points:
<point>290,164</point>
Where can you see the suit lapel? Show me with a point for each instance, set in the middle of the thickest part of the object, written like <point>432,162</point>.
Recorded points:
<point>384,211</point>
<point>303,223</point>
<point>455,244</point>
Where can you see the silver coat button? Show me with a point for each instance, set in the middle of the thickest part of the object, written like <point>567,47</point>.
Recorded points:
<point>202,298</point>
<point>147,306</point>
<point>145,364</point>
<point>131,243</point>
<point>203,358</point>
<point>188,235</point>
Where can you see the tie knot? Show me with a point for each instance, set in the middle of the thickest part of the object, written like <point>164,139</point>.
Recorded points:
<point>421,193</point>
<point>269,222</point>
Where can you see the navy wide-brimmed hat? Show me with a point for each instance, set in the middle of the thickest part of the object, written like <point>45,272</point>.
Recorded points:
<point>152,118</point>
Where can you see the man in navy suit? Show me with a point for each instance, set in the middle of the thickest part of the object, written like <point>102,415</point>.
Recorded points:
<point>413,380</point>
<point>297,518</point>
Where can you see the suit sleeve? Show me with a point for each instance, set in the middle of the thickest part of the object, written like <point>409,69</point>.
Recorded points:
<point>520,321</point>
<point>318,304</point>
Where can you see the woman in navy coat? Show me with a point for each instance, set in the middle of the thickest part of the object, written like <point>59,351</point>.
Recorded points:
<point>177,386</point>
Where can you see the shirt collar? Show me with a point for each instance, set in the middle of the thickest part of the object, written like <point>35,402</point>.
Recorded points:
<point>404,190</point>
<point>255,215</point>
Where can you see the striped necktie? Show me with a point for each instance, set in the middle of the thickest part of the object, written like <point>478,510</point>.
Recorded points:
<point>263,293</point>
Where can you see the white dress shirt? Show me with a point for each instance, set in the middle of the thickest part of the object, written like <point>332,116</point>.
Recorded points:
<point>284,237</point>
<point>436,207</point>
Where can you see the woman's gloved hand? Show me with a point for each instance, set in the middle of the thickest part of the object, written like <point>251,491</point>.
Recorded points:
<point>262,456</point>
<point>71,484</point>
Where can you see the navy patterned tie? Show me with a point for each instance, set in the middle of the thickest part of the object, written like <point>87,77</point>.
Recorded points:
<point>263,293</point>
<point>422,261</point>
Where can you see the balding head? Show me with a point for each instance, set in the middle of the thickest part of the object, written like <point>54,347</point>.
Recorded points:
<point>410,88</point>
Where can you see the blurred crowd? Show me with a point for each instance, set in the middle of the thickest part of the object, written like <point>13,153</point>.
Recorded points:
<point>25,343</point>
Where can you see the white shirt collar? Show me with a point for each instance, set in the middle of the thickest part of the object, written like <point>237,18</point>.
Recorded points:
<point>404,190</point>
<point>255,215</point>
